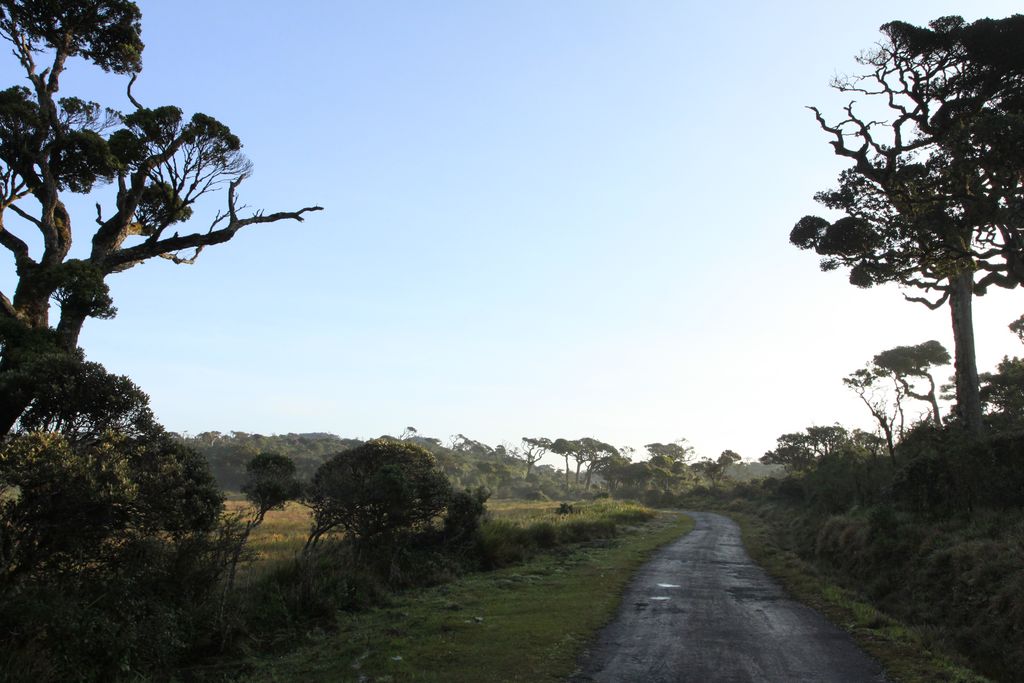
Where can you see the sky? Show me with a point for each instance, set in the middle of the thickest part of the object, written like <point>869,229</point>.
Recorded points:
<point>556,219</point>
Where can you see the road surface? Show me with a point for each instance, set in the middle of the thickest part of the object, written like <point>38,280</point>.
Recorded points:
<point>701,611</point>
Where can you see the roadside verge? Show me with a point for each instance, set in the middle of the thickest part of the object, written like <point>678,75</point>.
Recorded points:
<point>528,622</point>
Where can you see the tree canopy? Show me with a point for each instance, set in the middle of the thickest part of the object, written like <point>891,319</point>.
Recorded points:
<point>160,162</point>
<point>932,199</point>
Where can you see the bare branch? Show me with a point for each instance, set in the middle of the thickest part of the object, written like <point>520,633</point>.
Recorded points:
<point>27,216</point>
<point>996,278</point>
<point>170,247</point>
<point>932,305</point>
<point>15,245</point>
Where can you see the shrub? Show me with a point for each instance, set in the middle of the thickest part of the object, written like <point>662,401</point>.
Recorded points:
<point>82,401</point>
<point>110,554</point>
<point>464,514</point>
<point>501,543</point>
<point>376,490</point>
<point>949,473</point>
<point>791,489</point>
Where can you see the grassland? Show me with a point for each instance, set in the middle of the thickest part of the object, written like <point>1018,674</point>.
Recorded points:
<point>279,539</point>
<point>527,622</point>
<point>283,533</point>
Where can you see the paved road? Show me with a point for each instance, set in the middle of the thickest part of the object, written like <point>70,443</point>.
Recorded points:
<point>701,611</point>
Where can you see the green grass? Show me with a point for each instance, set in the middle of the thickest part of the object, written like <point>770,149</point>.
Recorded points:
<point>529,622</point>
<point>902,650</point>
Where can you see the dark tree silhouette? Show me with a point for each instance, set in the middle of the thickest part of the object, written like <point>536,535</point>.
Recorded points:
<point>159,161</point>
<point>799,451</point>
<point>83,402</point>
<point>906,363</point>
<point>886,409</point>
<point>934,197</point>
<point>270,484</point>
<point>376,490</point>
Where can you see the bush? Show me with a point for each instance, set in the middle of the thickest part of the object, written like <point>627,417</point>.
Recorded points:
<point>949,473</point>
<point>82,401</point>
<point>464,514</point>
<point>790,489</point>
<point>111,554</point>
<point>377,490</point>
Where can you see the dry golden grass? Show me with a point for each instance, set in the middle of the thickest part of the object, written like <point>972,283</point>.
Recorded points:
<point>283,533</point>
<point>279,539</point>
<point>524,513</point>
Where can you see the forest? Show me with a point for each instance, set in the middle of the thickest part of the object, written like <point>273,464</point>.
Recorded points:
<point>131,552</point>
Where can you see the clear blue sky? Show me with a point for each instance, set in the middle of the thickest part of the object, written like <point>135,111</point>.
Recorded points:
<point>542,218</point>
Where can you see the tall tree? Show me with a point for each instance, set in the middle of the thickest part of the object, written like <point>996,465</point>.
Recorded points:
<point>677,451</point>
<point>566,449</point>
<point>934,197</point>
<point>532,450</point>
<point>596,455</point>
<point>586,451</point>
<point>159,161</point>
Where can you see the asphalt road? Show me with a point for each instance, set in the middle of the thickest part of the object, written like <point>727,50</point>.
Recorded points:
<point>701,611</point>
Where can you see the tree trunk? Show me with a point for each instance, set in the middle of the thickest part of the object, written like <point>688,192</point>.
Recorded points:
<point>968,392</point>
<point>935,403</point>
<point>11,407</point>
<point>15,398</point>
<point>70,328</point>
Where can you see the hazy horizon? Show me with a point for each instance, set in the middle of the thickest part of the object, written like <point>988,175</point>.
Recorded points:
<point>540,220</point>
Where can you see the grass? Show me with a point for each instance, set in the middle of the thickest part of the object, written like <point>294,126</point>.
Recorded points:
<point>529,622</point>
<point>528,512</point>
<point>902,650</point>
<point>283,533</point>
<point>278,540</point>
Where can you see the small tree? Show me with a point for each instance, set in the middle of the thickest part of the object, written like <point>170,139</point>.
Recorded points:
<point>715,470</point>
<point>907,363</point>
<point>885,407</point>
<point>1002,392</point>
<point>270,483</point>
<point>375,491</point>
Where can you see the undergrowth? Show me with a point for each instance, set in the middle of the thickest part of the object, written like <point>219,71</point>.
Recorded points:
<point>928,597</point>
